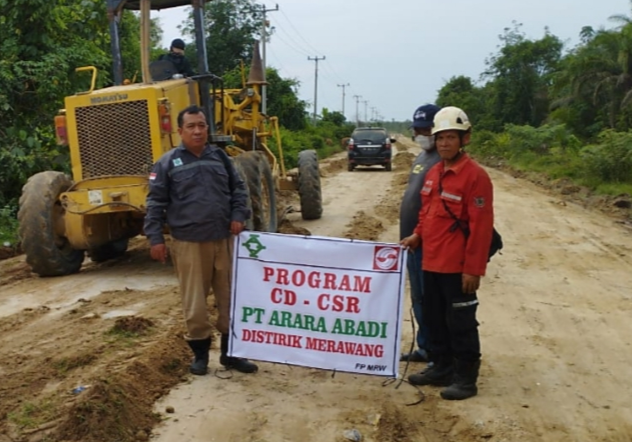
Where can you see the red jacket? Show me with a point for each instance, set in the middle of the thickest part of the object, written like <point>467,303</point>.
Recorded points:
<point>468,193</point>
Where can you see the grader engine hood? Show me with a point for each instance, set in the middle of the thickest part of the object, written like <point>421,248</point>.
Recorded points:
<point>117,131</point>
<point>114,138</point>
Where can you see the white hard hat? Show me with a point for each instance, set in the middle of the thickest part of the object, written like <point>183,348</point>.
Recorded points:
<point>451,118</point>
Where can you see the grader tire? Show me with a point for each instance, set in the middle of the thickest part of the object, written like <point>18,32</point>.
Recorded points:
<point>239,166</point>
<point>262,191</point>
<point>309,189</point>
<point>48,253</point>
<point>108,251</point>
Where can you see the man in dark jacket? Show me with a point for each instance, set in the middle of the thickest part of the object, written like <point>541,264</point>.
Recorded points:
<point>409,216</point>
<point>176,56</point>
<point>195,189</point>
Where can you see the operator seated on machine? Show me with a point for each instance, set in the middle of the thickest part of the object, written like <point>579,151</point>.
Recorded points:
<point>177,58</point>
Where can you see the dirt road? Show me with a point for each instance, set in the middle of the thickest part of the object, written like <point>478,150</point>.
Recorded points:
<point>555,332</point>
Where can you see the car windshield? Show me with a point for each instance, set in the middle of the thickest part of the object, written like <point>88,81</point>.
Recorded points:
<point>374,136</point>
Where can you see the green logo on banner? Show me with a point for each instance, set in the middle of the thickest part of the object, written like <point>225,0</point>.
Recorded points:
<point>254,246</point>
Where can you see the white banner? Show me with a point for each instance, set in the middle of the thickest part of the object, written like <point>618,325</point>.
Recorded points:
<point>319,302</point>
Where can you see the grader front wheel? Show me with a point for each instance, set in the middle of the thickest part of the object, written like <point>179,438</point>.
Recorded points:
<point>309,185</point>
<point>41,218</point>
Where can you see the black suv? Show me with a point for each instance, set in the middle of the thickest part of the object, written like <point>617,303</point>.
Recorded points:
<point>368,146</point>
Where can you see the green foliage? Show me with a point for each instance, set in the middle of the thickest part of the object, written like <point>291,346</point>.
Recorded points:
<point>529,82</point>
<point>477,101</point>
<point>66,364</point>
<point>538,109</point>
<point>335,117</point>
<point>42,43</point>
<point>27,154</point>
<point>231,27</point>
<point>555,151</point>
<point>398,127</point>
<point>610,160</point>
<point>613,189</point>
<point>518,78</point>
<point>596,81</point>
<point>8,225</point>
<point>283,101</point>
<point>33,414</point>
<point>521,74</point>
<point>325,138</point>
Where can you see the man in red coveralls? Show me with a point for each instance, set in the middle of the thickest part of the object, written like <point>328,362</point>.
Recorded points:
<point>455,231</point>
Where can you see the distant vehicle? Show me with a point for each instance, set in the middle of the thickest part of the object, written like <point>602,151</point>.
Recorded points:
<point>369,146</point>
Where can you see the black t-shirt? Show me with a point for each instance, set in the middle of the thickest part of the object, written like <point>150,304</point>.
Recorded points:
<point>180,62</point>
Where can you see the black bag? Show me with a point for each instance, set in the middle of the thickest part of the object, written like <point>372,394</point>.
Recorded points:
<point>496,245</point>
<point>497,240</point>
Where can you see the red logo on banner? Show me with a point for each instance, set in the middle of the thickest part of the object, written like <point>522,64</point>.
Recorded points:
<point>385,258</point>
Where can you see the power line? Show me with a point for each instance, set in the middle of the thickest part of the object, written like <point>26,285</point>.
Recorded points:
<point>298,45</point>
<point>300,50</point>
<point>330,80</point>
<point>329,66</point>
<point>278,62</point>
<point>291,46</point>
<point>298,33</point>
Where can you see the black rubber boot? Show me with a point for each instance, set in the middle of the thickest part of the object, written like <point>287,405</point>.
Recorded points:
<point>240,364</point>
<point>200,348</point>
<point>439,374</point>
<point>464,385</point>
<point>414,356</point>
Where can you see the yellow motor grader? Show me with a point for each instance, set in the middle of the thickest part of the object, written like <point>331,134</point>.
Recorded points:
<point>115,135</point>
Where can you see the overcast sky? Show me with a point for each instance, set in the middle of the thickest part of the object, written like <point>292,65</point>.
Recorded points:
<point>397,54</point>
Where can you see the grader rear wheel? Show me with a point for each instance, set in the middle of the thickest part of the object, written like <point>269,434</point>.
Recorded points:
<point>41,217</point>
<point>262,192</point>
<point>309,185</point>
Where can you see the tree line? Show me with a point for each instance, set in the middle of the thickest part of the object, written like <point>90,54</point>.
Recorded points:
<point>564,112</point>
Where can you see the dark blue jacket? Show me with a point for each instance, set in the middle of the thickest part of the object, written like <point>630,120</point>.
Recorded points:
<point>197,197</point>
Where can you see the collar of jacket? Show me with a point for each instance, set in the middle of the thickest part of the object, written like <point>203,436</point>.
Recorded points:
<point>460,164</point>
<point>208,148</point>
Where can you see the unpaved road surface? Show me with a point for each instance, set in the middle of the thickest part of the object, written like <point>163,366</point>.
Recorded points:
<point>555,329</point>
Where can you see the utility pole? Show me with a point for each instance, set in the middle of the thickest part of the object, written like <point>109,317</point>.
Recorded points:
<point>366,118</point>
<point>264,37</point>
<point>316,59</point>
<point>373,113</point>
<point>343,86</point>
<point>357,98</point>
